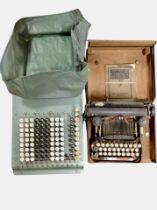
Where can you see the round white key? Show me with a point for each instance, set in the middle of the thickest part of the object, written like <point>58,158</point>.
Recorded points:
<point>123,154</point>
<point>121,145</point>
<point>21,144</point>
<point>105,153</point>
<point>32,159</point>
<point>21,120</point>
<point>111,145</point>
<point>57,143</point>
<point>76,128</point>
<point>32,144</point>
<point>107,145</point>
<point>118,154</point>
<point>62,138</point>
<point>26,149</point>
<point>62,158</point>
<point>32,154</point>
<point>52,138</point>
<point>130,145</point>
<point>109,154</point>
<point>137,154</point>
<point>114,149</point>
<point>52,158</point>
<point>21,125</point>
<point>57,129</point>
<point>77,144</point>
<point>56,124</point>
<point>128,154</point>
<point>22,159</point>
<point>56,119</point>
<point>123,149</point>
<point>57,158</point>
<point>21,140</point>
<point>76,148</point>
<point>26,120</point>
<point>62,143</point>
<point>102,145</point>
<point>27,159</point>
<point>26,134</point>
<point>52,143</point>
<point>132,154</point>
<point>26,129</point>
<point>139,145</point>
<point>135,145</point>
<point>100,153</point>
<point>32,149</point>
<point>56,138</point>
<point>26,144</point>
<point>77,109</point>
<point>31,129</point>
<point>56,153</point>
<point>21,149</point>
<point>127,149</point>
<point>52,154</point>
<point>31,134</point>
<point>98,144</point>
<point>52,119</point>
<point>52,134</point>
<point>26,154</point>
<point>31,120</point>
<point>21,135</point>
<point>52,124</point>
<point>52,129</point>
<point>21,154</point>
<point>21,130</point>
<point>136,150</point>
<point>125,145</point>
<point>62,148</point>
<point>56,148</point>
<point>116,145</point>
<point>31,139</point>
<point>100,149</point>
<point>109,149</point>
<point>31,125</point>
<point>62,153</point>
<point>114,153</point>
<point>61,119</point>
<point>105,149</point>
<point>61,133</point>
<point>118,149</point>
<point>62,124</point>
<point>52,148</point>
<point>61,129</point>
<point>26,125</point>
<point>56,134</point>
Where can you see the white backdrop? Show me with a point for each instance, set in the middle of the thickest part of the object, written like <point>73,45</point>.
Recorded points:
<point>101,186</point>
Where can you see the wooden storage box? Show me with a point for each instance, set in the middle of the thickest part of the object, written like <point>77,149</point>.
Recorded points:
<point>121,91</point>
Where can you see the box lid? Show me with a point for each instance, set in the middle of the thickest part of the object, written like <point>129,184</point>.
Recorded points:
<point>121,70</point>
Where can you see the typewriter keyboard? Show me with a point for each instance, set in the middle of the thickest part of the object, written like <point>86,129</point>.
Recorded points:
<point>116,150</point>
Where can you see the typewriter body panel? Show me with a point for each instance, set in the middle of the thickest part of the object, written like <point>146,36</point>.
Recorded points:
<point>119,113</point>
<point>47,136</point>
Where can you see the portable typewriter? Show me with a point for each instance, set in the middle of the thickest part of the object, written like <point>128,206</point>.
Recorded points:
<point>120,92</point>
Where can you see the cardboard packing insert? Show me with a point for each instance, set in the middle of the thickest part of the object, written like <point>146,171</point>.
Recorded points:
<point>123,72</point>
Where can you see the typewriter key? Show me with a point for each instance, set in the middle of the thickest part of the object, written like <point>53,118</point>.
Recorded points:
<point>22,159</point>
<point>21,120</point>
<point>21,140</point>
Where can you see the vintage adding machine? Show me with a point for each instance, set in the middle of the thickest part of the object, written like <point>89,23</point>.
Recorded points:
<point>43,67</point>
<point>120,93</point>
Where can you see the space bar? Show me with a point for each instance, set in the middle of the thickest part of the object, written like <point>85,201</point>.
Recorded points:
<point>117,158</point>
